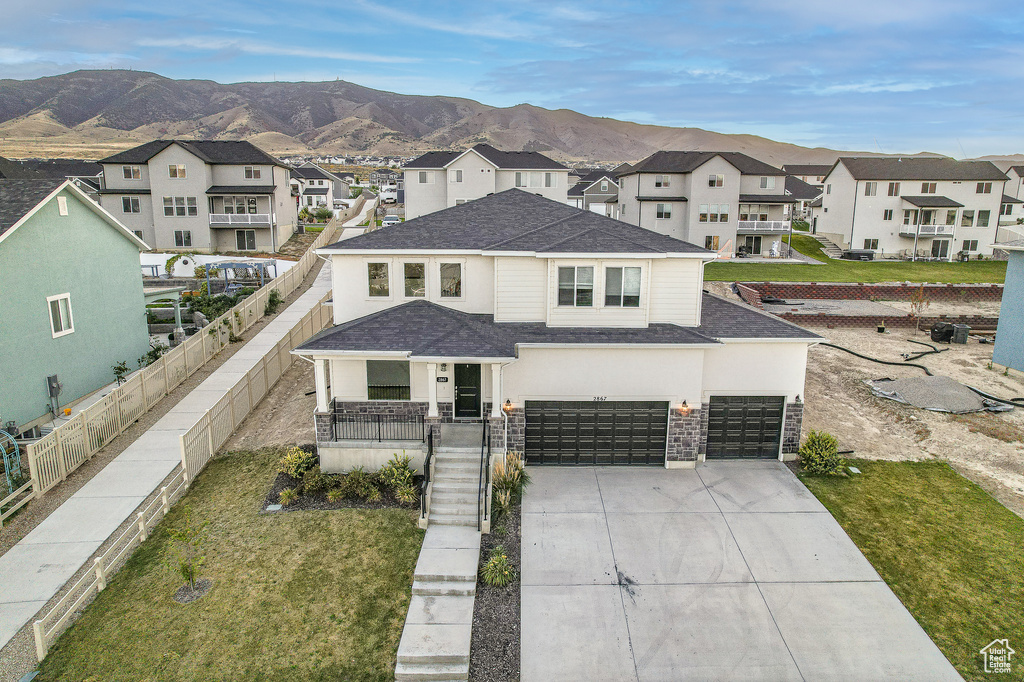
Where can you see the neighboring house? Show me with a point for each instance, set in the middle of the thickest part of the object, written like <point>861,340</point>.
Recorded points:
<point>382,177</point>
<point>1009,348</point>
<point>317,187</point>
<point>591,337</point>
<point>912,207</point>
<point>804,193</point>
<point>723,201</point>
<point>812,173</point>
<point>1012,210</point>
<point>87,175</point>
<point>71,295</point>
<point>201,195</point>
<point>598,191</point>
<point>15,170</point>
<point>439,180</point>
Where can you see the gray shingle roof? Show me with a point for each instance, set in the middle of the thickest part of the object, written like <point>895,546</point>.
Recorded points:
<point>241,189</point>
<point>723,319</point>
<point>515,220</point>
<point>309,172</point>
<point>798,189</point>
<point>315,190</point>
<point>63,168</point>
<point>1007,199</point>
<point>932,201</point>
<point>807,168</point>
<point>768,199</point>
<point>19,196</point>
<point>902,168</point>
<point>501,159</point>
<point>13,170</point>
<point>126,190</point>
<point>687,162</point>
<point>233,152</point>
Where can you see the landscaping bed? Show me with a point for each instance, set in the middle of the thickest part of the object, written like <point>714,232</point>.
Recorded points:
<point>494,652</point>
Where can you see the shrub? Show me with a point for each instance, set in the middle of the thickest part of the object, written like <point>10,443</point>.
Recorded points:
<point>305,215</point>
<point>502,503</point>
<point>498,571</point>
<point>323,214</point>
<point>371,494</point>
<point>288,496</point>
<point>184,551</point>
<point>510,475</point>
<point>396,473</point>
<point>407,495</point>
<point>296,462</point>
<point>335,495</point>
<point>274,302</point>
<point>819,454</point>
<point>314,481</point>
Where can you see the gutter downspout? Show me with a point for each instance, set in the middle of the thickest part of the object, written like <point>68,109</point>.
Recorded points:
<point>853,220</point>
<point>917,232</point>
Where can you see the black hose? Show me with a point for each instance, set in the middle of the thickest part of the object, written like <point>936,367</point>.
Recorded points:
<point>1016,402</point>
<point>881,362</point>
<point>922,343</point>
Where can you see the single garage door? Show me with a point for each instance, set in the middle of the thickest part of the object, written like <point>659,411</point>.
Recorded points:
<point>745,427</point>
<point>610,432</point>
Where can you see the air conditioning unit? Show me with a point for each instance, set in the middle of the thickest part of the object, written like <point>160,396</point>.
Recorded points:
<point>53,386</point>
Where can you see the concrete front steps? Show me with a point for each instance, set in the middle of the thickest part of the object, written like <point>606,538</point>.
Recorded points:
<point>830,249</point>
<point>455,486</point>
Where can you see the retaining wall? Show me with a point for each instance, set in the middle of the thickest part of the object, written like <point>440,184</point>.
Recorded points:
<point>873,292</point>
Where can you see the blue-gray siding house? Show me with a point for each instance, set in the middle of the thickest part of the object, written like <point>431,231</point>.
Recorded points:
<point>1009,350</point>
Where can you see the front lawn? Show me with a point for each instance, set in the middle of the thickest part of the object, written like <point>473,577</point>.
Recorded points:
<point>973,272</point>
<point>951,553</point>
<point>303,595</point>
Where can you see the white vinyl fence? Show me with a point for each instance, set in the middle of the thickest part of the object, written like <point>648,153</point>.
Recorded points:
<point>67,447</point>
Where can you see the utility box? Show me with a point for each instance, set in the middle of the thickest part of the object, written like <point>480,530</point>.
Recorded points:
<point>960,332</point>
<point>942,332</point>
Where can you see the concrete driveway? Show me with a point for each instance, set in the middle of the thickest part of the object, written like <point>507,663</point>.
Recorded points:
<point>732,571</point>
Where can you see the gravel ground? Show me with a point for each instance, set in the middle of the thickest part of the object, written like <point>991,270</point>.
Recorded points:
<point>813,306</point>
<point>494,652</point>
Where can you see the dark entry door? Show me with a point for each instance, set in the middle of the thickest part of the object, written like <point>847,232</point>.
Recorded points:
<point>581,433</point>
<point>745,427</point>
<point>753,244</point>
<point>467,390</point>
<point>940,248</point>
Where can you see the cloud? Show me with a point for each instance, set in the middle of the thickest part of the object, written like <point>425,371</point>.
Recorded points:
<point>213,43</point>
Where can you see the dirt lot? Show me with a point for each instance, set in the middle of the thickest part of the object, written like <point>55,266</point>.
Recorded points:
<point>986,308</point>
<point>284,417</point>
<point>985,447</point>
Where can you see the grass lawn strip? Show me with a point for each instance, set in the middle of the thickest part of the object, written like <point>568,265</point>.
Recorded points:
<point>951,553</point>
<point>311,595</point>
<point>973,272</point>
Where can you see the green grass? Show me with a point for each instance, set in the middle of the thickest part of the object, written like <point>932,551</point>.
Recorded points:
<point>974,272</point>
<point>951,553</point>
<point>317,595</point>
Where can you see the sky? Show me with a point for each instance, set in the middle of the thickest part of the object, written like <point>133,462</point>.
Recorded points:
<point>896,76</point>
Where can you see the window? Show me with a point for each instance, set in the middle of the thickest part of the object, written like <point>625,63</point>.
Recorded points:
<point>661,181</point>
<point>182,238</point>
<point>871,244</point>
<point>415,280</point>
<point>387,380</point>
<point>451,280</point>
<point>828,189</point>
<point>176,170</point>
<point>62,205</point>
<point>549,179</point>
<point>522,179</point>
<point>426,178</point>
<point>887,214</point>
<point>894,189</point>
<point>181,206</point>
<point>970,245</point>
<point>1006,209</point>
<point>664,211</point>
<point>910,217</point>
<point>984,188</point>
<point>928,188</point>
<point>983,218</point>
<point>870,189</point>
<point>951,216</point>
<point>253,172</point>
<point>622,287</point>
<point>61,322</point>
<point>604,185</point>
<point>130,205</point>
<point>967,219</point>
<point>137,233</point>
<point>576,286</point>
<point>455,175</point>
<point>378,277</point>
<point>131,172</point>
<point>754,212</point>
<point>716,180</point>
<point>245,240</point>
<point>711,242</point>
<point>193,207</point>
<point>768,182</point>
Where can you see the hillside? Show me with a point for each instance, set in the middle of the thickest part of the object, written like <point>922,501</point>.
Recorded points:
<point>91,114</point>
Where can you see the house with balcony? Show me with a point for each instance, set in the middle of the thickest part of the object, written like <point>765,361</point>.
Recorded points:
<point>1011,212</point>
<point>553,331</point>
<point>912,208</point>
<point>724,201</point>
<point>200,195</point>
<point>438,180</point>
<point>315,186</point>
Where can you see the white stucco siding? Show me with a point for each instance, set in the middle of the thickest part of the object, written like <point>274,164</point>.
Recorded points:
<point>725,198</point>
<point>559,190</point>
<point>835,217</point>
<point>751,184</point>
<point>195,183</point>
<point>231,174</point>
<point>635,373</point>
<point>478,179</point>
<point>755,369</point>
<point>422,198</point>
<point>113,176</point>
<point>521,294</point>
<point>675,290</point>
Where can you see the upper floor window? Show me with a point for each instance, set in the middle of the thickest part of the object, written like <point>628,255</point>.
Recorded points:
<point>714,213</point>
<point>870,189</point>
<point>661,181</point>
<point>767,182</point>
<point>180,206</point>
<point>451,280</point>
<point>983,218</point>
<point>910,216</point>
<point>984,188</point>
<point>664,211</point>
<point>604,185</point>
<point>716,180</point>
<point>576,286</point>
<point>426,178</point>
<point>176,170</point>
<point>415,280</point>
<point>532,179</point>
<point>967,219</point>
<point>951,217</point>
<point>253,172</point>
<point>455,175</point>
<point>887,214</point>
<point>131,172</point>
<point>1006,209</point>
<point>894,189</point>
<point>828,189</point>
<point>130,205</point>
<point>61,322</point>
<point>928,187</point>
<point>622,287</point>
<point>377,274</point>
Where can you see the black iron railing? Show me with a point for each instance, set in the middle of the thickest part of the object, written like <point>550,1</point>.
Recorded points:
<point>378,427</point>
<point>425,483</point>
<point>388,392</point>
<point>485,460</point>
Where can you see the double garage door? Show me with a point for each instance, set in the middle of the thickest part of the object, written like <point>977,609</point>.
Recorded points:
<point>634,432</point>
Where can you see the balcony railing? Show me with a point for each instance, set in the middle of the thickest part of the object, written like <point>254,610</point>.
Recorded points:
<point>379,427</point>
<point>240,219</point>
<point>760,226</point>
<point>927,230</point>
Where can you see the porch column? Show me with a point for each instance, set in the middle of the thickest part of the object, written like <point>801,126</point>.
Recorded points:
<point>495,389</point>
<point>320,376</point>
<point>432,389</point>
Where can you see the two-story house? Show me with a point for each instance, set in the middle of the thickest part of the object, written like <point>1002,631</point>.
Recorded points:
<point>811,173</point>
<point>317,187</point>
<point>1011,212</point>
<point>598,191</point>
<point>439,180</point>
<point>724,201</point>
<point>200,195</point>
<point>576,338</point>
<point>912,207</point>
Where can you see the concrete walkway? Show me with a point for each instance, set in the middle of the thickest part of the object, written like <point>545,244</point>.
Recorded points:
<point>731,571</point>
<point>36,568</point>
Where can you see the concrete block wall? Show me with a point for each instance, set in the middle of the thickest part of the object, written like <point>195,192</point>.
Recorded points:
<point>685,435</point>
<point>791,428</point>
<point>896,291</point>
<point>517,430</point>
<point>892,321</point>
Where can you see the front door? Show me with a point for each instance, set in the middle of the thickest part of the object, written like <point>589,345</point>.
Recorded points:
<point>467,391</point>
<point>940,248</point>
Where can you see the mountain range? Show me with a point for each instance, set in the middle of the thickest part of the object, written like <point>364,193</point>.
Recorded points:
<point>91,114</point>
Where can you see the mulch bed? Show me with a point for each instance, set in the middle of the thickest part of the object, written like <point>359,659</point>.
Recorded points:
<point>186,595</point>
<point>494,652</point>
<point>310,501</point>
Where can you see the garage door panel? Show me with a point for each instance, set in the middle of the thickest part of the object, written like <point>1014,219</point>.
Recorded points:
<point>745,427</point>
<point>582,433</point>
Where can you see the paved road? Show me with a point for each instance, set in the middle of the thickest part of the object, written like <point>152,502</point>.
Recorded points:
<point>732,571</point>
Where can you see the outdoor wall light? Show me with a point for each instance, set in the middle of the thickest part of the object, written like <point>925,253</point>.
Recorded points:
<point>444,366</point>
<point>507,406</point>
<point>798,397</point>
<point>684,408</point>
